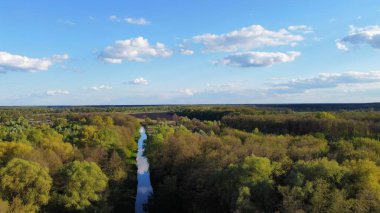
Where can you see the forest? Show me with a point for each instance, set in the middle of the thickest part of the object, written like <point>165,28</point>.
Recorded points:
<point>244,159</point>
<point>201,159</point>
<point>60,161</point>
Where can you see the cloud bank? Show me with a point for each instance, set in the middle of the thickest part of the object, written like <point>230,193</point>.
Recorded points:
<point>326,81</point>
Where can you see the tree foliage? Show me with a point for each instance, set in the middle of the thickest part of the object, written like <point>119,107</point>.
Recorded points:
<point>294,163</point>
<point>61,160</point>
<point>81,183</point>
<point>25,185</point>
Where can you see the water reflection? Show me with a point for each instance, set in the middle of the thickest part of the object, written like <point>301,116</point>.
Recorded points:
<point>144,187</point>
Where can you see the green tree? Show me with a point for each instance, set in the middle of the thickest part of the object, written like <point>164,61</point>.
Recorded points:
<point>363,182</point>
<point>326,115</point>
<point>82,182</point>
<point>25,185</point>
<point>307,148</point>
<point>10,150</point>
<point>243,202</point>
<point>257,176</point>
<point>258,168</point>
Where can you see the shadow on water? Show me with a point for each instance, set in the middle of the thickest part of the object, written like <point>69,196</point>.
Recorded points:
<point>144,188</point>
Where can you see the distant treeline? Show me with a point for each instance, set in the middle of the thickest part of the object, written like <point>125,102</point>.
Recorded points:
<point>322,107</point>
<point>332,128</point>
<point>332,125</point>
<point>211,108</point>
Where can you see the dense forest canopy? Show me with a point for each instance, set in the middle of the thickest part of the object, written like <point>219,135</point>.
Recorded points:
<point>66,161</point>
<point>241,159</point>
<point>202,159</point>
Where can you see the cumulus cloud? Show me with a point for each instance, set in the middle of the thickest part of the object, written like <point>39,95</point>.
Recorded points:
<point>326,81</point>
<point>135,49</point>
<point>101,87</point>
<point>303,28</point>
<point>247,38</point>
<point>13,62</point>
<point>57,92</point>
<point>367,35</point>
<point>258,59</point>
<point>137,21</point>
<point>139,81</point>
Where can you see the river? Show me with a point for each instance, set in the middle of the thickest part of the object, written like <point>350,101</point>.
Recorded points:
<point>144,188</point>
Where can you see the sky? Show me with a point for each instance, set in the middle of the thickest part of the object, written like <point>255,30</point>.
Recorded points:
<point>124,52</point>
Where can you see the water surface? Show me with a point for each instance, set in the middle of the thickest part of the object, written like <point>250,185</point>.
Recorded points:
<point>144,188</point>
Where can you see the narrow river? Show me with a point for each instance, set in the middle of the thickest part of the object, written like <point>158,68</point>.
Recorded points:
<point>144,188</point>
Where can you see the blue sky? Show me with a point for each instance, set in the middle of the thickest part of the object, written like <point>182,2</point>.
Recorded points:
<point>188,52</point>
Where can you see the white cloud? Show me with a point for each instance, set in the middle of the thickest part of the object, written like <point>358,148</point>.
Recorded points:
<point>113,18</point>
<point>367,35</point>
<point>60,58</point>
<point>247,38</point>
<point>57,92</point>
<point>135,49</point>
<point>303,28</point>
<point>112,60</point>
<point>139,81</point>
<point>326,81</point>
<point>183,50</point>
<point>258,59</point>
<point>101,87</point>
<point>341,45</point>
<point>187,92</point>
<point>186,52</point>
<point>137,21</point>
<point>129,20</point>
<point>12,62</point>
